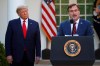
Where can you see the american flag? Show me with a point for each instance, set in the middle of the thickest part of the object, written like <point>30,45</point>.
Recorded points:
<point>48,18</point>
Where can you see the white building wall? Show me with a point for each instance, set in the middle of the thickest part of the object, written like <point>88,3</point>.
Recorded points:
<point>11,8</point>
<point>3,19</point>
<point>35,13</point>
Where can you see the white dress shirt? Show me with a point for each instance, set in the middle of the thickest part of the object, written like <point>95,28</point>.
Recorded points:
<point>77,22</point>
<point>26,23</point>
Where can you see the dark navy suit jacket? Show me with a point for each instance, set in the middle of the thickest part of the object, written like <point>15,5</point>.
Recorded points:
<point>84,28</point>
<point>15,42</point>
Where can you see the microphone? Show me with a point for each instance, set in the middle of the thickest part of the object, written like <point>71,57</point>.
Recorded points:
<point>71,21</point>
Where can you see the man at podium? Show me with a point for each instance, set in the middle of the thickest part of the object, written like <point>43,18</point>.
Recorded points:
<point>76,26</point>
<point>78,48</point>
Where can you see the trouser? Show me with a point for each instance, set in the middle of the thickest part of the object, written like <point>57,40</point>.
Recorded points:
<point>24,62</point>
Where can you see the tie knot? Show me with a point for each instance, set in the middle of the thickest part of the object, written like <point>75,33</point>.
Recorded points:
<point>74,22</point>
<point>24,21</point>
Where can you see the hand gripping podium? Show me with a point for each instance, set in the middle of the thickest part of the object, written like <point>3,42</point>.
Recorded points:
<point>72,51</point>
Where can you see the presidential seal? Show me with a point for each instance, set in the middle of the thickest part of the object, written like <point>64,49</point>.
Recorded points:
<point>72,48</point>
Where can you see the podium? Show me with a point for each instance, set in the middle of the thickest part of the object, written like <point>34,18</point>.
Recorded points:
<point>84,57</point>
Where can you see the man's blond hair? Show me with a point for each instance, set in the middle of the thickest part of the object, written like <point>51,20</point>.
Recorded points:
<point>20,8</point>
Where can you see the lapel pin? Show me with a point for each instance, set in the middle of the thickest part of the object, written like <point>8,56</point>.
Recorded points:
<point>30,23</point>
<point>81,23</point>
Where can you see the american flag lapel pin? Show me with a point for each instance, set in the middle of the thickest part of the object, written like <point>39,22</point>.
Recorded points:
<point>30,23</point>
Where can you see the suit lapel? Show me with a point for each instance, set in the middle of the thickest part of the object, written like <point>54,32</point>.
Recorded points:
<point>20,27</point>
<point>29,28</point>
<point>79,29</point>
<point>69,28</point>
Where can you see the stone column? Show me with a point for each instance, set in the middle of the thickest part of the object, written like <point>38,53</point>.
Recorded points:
<point>12,5</point>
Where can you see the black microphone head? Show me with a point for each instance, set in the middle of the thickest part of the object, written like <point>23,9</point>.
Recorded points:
<point>71,21</point>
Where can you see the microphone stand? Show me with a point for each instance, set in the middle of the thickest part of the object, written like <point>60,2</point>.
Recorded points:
<point>72,22</point>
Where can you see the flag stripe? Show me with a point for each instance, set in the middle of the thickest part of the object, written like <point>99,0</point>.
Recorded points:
<point>48,25</point>
<point>48,8</point>
<point>52,9</point>
<point>46,32</point>
<point>48,18</point>
<point>49,13</point>
<point>47,28</point>
<point>49,21</point>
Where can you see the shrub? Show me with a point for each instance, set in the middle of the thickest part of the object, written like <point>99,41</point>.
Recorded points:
<point>3,61</point>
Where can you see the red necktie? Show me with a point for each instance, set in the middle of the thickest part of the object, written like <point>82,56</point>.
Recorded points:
<point>24,29</point>
<point>74,28</point>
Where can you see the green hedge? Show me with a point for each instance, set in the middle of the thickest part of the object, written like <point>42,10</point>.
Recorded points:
<point>3,61</point>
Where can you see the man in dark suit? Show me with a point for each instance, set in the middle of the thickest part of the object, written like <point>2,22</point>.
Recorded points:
<point>76,26</point>
<point>22,40</point>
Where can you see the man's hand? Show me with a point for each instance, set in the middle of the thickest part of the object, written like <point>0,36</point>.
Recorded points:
<point>37,59</point>
<point>9,59</point>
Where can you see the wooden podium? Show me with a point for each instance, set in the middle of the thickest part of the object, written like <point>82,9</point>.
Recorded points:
<point>60,46</point>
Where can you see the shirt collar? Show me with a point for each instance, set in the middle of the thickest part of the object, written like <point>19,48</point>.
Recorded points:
<point>23,20</point>
<point>77,21</point>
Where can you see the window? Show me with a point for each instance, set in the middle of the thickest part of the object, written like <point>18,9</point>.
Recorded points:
<point>61,10</point>
<point>86,7</point>
<point>62,13</point>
